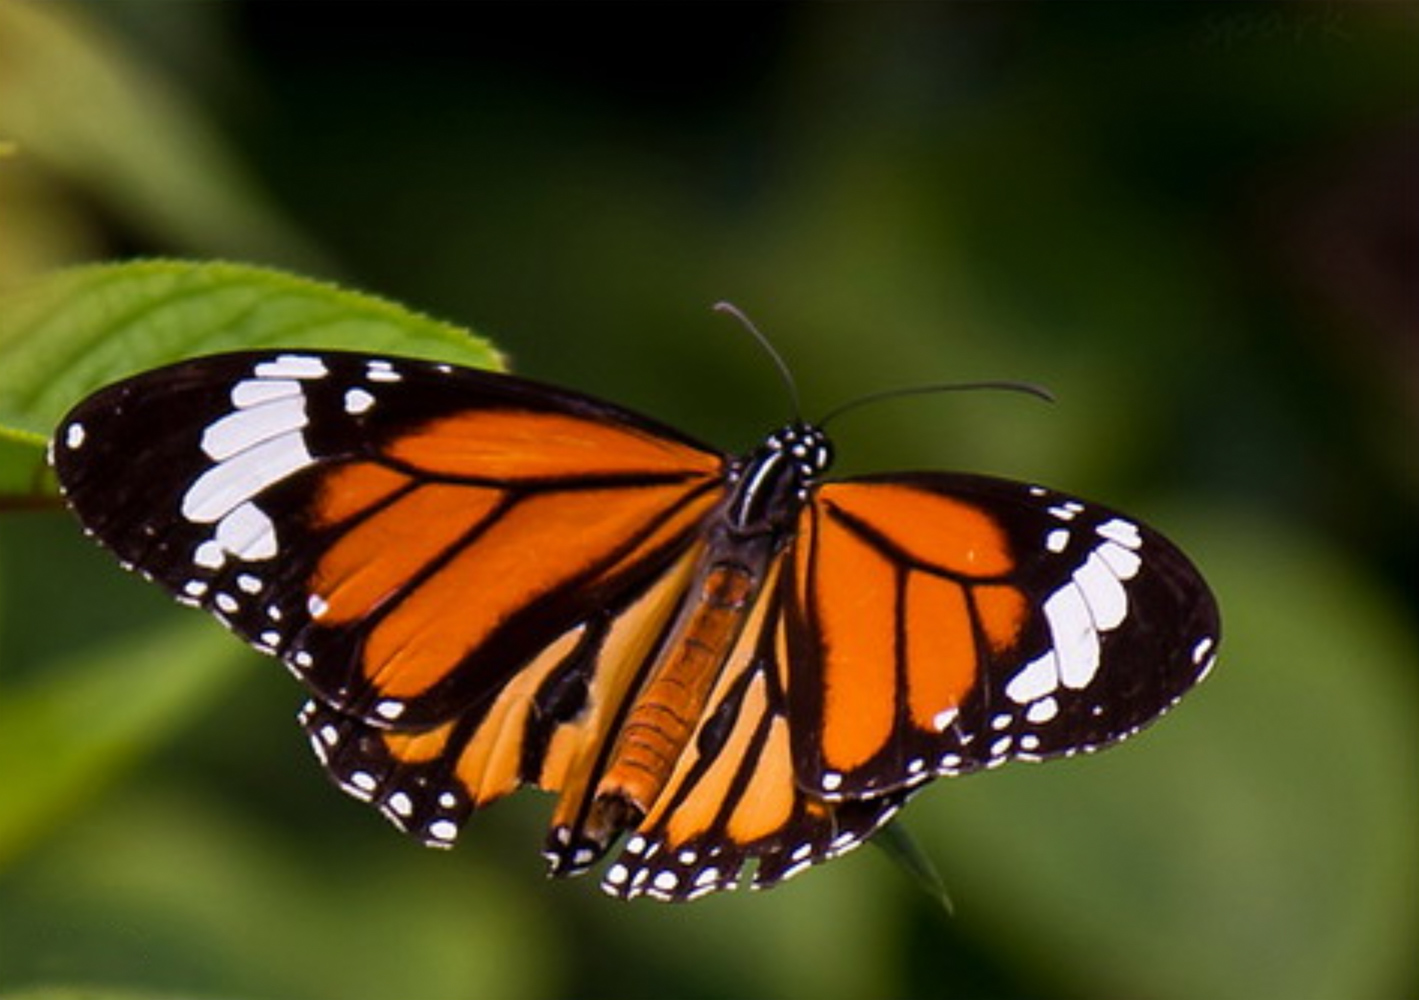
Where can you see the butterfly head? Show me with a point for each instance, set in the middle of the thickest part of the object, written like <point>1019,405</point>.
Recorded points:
<point>806,451</point>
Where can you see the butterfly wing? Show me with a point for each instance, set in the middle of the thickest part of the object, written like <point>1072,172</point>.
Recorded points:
<point>940,623</point>
<point>405,535</point>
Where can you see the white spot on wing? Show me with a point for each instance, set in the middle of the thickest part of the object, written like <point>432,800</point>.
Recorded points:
<point>1102,591</point>
<point>74,436</point>
<point>247,533</point>
<point>943,718</point>
<point>1121,531</point>
<point>1124,562</point>
<point>1038,678</point>
<point>1057,540</point>
<point>1076,644</point>
<point>292,366</point>
<point>357,401</point>
<point>244,428</point>
<point>243,476</point>
<point>443,830</point>
<point>1042,711</point>
<point>382,371</point>
<point>255,391</point>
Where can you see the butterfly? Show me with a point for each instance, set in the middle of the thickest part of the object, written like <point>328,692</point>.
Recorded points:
<point>733,667</point>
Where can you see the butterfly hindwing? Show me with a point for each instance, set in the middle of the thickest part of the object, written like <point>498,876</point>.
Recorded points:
<point>939,623</point>
<point>405,535</point>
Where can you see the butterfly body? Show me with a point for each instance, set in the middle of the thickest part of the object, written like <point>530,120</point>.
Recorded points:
<point>756,519</point>
<point>488,583</point>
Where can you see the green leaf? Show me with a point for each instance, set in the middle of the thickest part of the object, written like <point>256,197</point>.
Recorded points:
<point>82,721</point>
<point>68,334</point>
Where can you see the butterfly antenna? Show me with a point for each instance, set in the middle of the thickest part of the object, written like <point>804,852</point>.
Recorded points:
<point>730,309</point>
<point>1027,388</point>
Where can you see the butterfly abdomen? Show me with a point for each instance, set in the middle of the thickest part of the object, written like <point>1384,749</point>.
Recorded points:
<point>669,706</point>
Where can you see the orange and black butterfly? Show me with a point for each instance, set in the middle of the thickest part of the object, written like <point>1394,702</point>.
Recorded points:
<point>487,583</point>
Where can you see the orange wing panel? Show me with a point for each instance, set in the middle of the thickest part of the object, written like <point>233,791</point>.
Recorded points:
<point>378,557</point>
<point>540,542</point>
<point>419,747</point>
<point>1002,609</point>
<point>928,527</point>
<point>766,804</point>
<point>513,445</point>
<point>941,650</point>
<point>355,488</point>
<point>854,602</point>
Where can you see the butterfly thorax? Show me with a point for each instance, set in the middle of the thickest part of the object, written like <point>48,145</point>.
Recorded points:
<point>767,489</point>
<point>770,484</point>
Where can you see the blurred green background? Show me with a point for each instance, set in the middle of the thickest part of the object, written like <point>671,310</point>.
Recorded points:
<point>1199,224</point>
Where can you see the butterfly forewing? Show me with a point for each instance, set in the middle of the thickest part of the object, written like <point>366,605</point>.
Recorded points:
<point>940,623</point>
<point>382,526</point>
